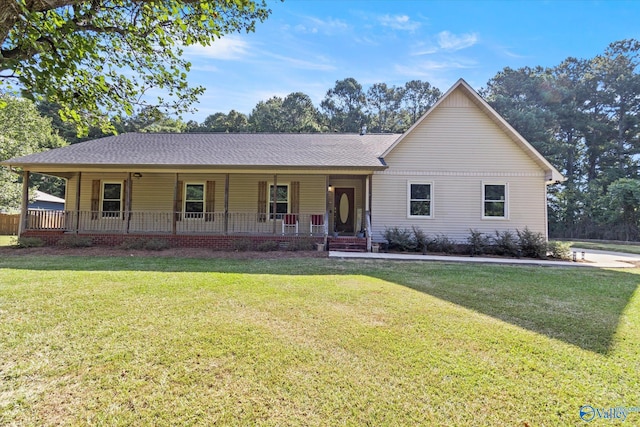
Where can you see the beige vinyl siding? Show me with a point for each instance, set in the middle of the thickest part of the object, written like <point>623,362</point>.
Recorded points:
<point>243,191</point>
<point>202,178</point>
<point>104,224</point>
<point>70,193</point>
<point>155,191</point>
<point>457,148</point>
<point>457,205</point>
<point>85,186</point>
<point>459,139</point>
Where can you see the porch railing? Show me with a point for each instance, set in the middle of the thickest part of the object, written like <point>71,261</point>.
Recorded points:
<point>179,222</point>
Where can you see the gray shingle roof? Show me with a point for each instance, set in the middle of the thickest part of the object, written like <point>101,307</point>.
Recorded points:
<point>220,149</point>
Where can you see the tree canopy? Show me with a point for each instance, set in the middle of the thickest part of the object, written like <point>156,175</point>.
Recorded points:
<point>583,116</point>
<point>94,57</point>
<point>22,131</point>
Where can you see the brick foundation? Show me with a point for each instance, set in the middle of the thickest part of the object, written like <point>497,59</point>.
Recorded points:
<point>216,242</point>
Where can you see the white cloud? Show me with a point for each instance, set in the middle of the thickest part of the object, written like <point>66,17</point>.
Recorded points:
<point>399,22</point>
<point>425,68</point>
<point>227,48</point>
<point>321,64</point>
<point>305,30</point>
<point>328,26</point>
<point>449,41</point>
<point>423,49</point>
<point>204,67</point>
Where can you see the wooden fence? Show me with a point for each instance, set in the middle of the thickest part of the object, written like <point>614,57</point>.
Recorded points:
<point>9,223</point>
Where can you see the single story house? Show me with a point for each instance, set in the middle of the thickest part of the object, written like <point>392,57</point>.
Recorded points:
<point>47,202</point>
<point>461,166</point>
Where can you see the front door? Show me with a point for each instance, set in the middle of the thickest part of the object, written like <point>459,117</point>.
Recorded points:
<point>343,210</point>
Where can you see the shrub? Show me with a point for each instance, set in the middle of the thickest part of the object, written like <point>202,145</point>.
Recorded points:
<point>420,240</point>
<point>242,245</point>
<point>301,244</point>
<point>268,246</point>
<point>506,243</point>
<point>146,244</point>
<point>29,242</point>
<point>559,250</point>
<point>156,245</point>
<point>399,239</point>
<point>477,242</point>
<point>75,241</point>
<point>133,244</point>
<point>532,245</point>
<point>442,243</point>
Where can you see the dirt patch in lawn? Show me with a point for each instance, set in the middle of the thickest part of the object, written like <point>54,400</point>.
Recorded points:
<point>105,251</point>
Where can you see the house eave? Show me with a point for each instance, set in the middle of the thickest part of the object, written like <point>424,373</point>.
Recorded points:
<point>65,169</point>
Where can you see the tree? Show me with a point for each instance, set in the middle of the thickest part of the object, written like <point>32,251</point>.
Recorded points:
<point>221,122</point>
<point>619,86</point>
<point>299,114</point>
<point>91,57</point>
<point>344,106</point>
<point>417,98</point>
<point>22,131</point>
<point>624,199</point>
<point>384,104</point>
<point>150,120</point>
<point>267,116</point>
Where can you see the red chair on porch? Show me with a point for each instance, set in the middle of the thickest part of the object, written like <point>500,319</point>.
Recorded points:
<point>290,223</point>
<point>316,224</point>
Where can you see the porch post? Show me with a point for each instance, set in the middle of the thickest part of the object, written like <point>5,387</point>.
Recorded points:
<point>327,193</point>
<point>226,204</point>
<point>274,202</point>
<point>367,193</point>
<point>173,214</point>
<point>367,210</point>
<point>127,203</point>
<point>77,207</point>
<point>24,208</point>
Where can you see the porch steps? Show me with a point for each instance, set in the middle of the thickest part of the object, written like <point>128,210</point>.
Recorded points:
<point>347,244</point>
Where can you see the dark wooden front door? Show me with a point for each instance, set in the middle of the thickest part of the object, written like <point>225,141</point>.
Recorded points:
<point>343,210</point>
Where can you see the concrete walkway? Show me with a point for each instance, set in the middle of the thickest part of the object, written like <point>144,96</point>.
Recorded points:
<point>593,258</point>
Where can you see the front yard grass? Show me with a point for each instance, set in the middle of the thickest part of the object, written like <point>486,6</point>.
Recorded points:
<point>7,240</point>
<point>161,341</point>
<point>632,248</point>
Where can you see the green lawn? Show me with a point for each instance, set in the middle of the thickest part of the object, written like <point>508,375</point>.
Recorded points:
<point>630,248</point>
<point>161,341</point>
<point>7,240</point>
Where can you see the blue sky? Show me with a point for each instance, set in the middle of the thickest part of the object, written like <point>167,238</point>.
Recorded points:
<point>306,45</point>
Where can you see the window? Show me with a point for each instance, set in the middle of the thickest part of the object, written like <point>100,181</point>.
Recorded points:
<point>494,200</point>
<point>111,199</point>
<point>194,200</point>
<point>419,195</point>
<point>282,201</point>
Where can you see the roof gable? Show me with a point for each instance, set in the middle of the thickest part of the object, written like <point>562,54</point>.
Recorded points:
<point>551,173</point>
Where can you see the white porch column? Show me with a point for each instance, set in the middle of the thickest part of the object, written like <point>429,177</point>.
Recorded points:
<point>367,210</point>
<point>24,207</point>
<point>367,192</point>
<point>77,206</point>
<point>226,204</point>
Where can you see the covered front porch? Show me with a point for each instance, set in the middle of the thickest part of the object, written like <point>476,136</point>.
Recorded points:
<point>214,204</point>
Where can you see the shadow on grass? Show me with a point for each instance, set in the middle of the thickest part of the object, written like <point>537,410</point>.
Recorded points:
<point>578,306</point>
